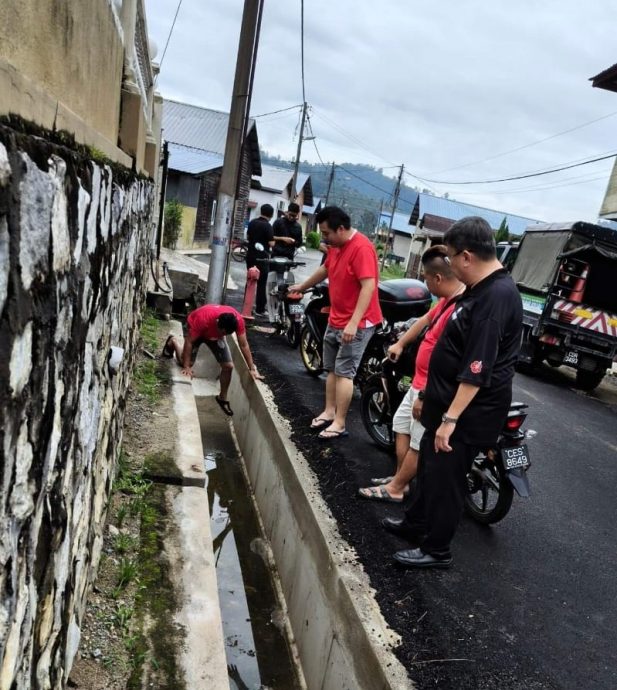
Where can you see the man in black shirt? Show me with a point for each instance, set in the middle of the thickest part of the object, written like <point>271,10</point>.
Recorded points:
<point>467,396</point>
<point>260,231</point>
<point>287,233</point>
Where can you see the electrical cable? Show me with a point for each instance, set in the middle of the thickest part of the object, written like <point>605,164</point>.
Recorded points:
<point>302,50</point>
<point>173,24</point>
<point>526,146</point>
<point>275,112</point>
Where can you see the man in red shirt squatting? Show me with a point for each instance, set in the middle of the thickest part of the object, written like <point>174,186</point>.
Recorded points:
<point>442,283</point>
<point>211,324</point>
<point>352,269</point>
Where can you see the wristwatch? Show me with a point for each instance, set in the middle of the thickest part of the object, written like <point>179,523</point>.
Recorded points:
<point>448,420</point>
<point>421,395</point>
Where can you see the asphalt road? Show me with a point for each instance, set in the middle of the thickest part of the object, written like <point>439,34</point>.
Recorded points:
<point>530,602</point>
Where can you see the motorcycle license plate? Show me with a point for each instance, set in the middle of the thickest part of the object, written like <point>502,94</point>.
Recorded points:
<point>296,309</point>
<point>571,357</point>
<point>515,457</point>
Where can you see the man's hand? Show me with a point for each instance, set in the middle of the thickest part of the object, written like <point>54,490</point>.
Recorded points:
<point>187,371</point>
<point>296,287</point>
<point>256,375</point>
<point>442,437</point>
<point>288,240</point>
<point>349,332</point>
<point>395,351</point>
<point>416,410</point>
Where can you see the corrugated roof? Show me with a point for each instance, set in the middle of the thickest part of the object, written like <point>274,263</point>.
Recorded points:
<point>194,161</point>
<point>274,179</point>
<point>606,79</point>
<point>399,224</point>
<point>447,208</point>
<point>204,129</point>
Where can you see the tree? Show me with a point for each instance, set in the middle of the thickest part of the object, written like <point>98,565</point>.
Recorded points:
<point>367,223</point>
<point>173,223</point>
<point>503,234</point>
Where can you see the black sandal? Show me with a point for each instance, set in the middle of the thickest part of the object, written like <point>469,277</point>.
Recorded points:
<point>168,350</point>
<point>225,406</point>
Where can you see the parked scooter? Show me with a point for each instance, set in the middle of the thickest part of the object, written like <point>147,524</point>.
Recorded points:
<point>285,308</point>
<point>400,300</point>
<point>495,473</point>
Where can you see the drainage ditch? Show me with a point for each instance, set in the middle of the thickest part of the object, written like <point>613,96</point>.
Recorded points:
<point>259,653</point>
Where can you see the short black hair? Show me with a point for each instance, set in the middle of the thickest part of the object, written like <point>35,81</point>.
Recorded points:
<point>334,217</point>
<point>473,234</point>
<point>227,322</point>
<point>293,207</point>
<point>267,210</point>
<point>434,261</point>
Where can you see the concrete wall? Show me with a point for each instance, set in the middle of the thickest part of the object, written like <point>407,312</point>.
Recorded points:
<point>74,240</point>
<point>342,639</point>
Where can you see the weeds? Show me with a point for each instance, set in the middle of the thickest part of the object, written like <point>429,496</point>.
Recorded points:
<point>124,543</point>
<point>127,571</point>
<point>149,331</point>
<point>147,381</point>
<point>122,616</point>
<point>121,514</point>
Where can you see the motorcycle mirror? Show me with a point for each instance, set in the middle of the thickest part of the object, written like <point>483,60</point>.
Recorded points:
<point>301,250</point>
<point>259,247</point>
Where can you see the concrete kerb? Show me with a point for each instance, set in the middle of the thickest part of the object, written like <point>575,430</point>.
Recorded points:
<point>199,616</point>
<point>342,638</point>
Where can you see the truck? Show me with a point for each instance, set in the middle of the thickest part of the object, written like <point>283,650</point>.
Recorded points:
<point>566,274</point>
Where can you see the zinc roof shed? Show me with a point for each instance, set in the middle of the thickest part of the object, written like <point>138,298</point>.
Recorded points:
<point>400,223</point>
<point>205,129</point>
<point>193,161</point>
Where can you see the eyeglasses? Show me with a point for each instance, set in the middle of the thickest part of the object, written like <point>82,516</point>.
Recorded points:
<point>448,259</point>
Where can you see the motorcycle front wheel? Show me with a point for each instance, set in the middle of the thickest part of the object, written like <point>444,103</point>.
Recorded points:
<point>238,253</point>
<point>310,352</point>
<point>489,496</point>
<point>376,416</point>
<point>293,333</point>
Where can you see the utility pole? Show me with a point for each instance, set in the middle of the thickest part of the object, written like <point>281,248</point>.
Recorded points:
<point>329,184</point>
<point>294,181</point>
<point>377,229</point>
<point>397,191</point>
<point>247,49</point>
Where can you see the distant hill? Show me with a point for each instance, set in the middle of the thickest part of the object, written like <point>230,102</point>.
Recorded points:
<point>358,188</point>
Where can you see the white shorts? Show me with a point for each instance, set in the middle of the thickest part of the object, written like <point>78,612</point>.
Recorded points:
<point>404,423</point>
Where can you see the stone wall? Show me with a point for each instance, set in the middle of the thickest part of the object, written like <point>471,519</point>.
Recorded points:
<point>74,242</point>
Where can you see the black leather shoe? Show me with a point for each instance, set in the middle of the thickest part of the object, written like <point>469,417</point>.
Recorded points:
<point>401,528</point>
<point>416,558</point>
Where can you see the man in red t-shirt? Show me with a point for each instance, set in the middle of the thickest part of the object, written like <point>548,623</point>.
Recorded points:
<point>352,271</point>
<point>442,283</point>
<point>211,324</point>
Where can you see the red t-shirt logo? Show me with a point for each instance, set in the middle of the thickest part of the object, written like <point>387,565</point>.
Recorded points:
<point>476,367</point>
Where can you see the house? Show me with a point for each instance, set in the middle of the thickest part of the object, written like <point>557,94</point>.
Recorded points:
<point>196,139</point>
<point>400,236</point>
<point>273,187</point>
<point>431,216</point>
<point>608,80</point>
<point>308,214</point>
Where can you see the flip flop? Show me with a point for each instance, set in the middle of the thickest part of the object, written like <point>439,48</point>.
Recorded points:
<point>333,435</point>
<point>168,351</point>
<point>225,406</point>
<point>320,422</point>
<point>378,493</point>
<point>379,481</point>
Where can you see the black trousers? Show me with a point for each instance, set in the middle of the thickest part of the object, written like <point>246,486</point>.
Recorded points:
<point>260,297</point>
<point>437,502</point>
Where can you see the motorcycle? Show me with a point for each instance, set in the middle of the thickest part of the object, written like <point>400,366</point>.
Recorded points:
<point>495,472</point>
<point>285,308</point>
<point>239,249</point>
<point>400,300</point>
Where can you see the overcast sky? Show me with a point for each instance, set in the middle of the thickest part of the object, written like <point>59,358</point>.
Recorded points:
<point>434,85</point>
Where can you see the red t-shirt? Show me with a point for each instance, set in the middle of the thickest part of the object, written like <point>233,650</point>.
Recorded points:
<point>202,322</point>
<point>347,266</point>
<point>423,356</point>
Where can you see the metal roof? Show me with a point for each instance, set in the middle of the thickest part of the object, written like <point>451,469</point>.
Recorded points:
<point>447,208</point>
<point>606,79</point>
<point>204,129</point>
<point>399,224</point>
<point>275,179</point>
<point>193,161</point>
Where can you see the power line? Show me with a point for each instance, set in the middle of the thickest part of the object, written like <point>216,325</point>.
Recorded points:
<point>275,112</point>
<point>526,146</point>
<point>173,24</point>
<point>302,49</point>
<point>574,182</point>
<point>520,177</point>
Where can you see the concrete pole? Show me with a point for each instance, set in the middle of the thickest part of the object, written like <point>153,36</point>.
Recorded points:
<point>294,181</point>
<point>329,184</point>
<point>397,191</point>
<point>233,146</point>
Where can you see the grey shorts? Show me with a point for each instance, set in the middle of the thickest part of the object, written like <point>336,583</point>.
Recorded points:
<point>343,358</point>
<point>219,348</point>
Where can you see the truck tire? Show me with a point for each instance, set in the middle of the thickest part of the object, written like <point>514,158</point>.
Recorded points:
<point>588,380</point>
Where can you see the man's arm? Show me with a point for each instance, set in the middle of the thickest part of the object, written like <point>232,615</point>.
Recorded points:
<point>248,357</point>
<point>367,288</point>
<point>395,350</point>
<point>187,353</point>
<point>465,393</point>
<point>320,274</point>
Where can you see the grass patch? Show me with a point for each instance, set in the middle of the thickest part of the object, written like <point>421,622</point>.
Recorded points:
<point>149,330</point>
<point>147,381</point>
<point>391,272</point>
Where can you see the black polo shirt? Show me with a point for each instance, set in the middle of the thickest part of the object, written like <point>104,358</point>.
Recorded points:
<point>480,346</point>
<point>258,231</point>
<point>283,227</point>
